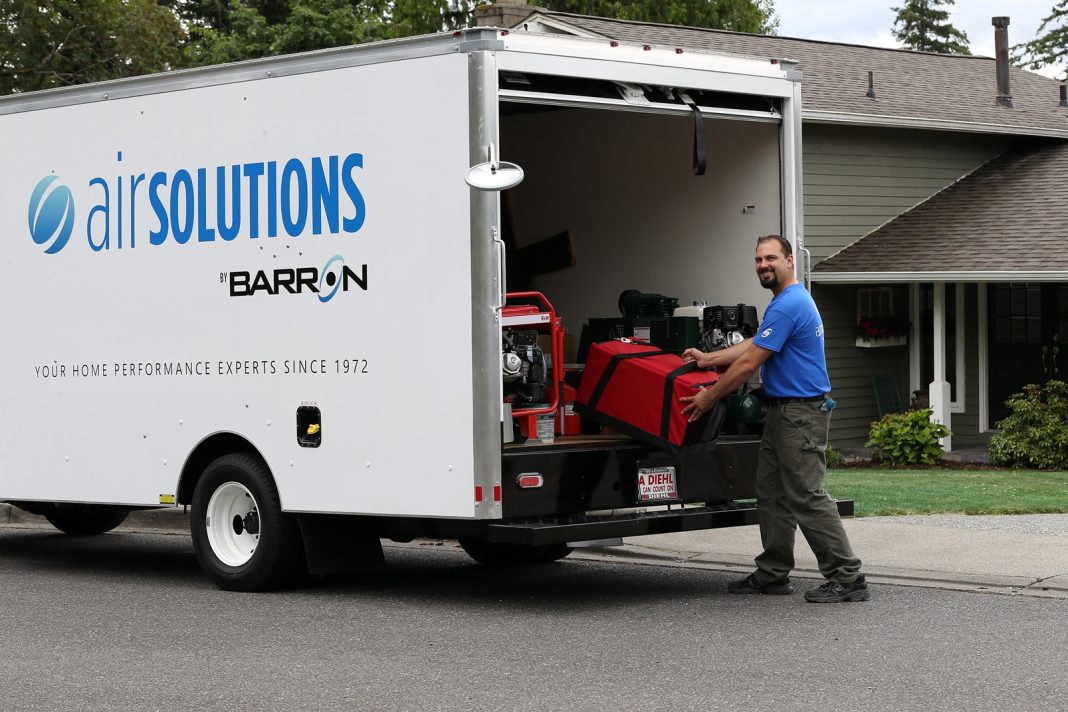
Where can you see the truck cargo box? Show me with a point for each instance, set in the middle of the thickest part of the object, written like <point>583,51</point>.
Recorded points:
<point>267,290</point>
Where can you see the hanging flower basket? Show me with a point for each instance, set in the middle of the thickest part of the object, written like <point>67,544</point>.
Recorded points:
<point>865,342</point>
<point>879,331</point>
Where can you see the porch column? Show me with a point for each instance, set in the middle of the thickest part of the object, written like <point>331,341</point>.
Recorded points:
<point>915,340</point>
<point>939,388</point>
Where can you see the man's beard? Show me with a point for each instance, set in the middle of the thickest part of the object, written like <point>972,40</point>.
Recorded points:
<point>768,280</point>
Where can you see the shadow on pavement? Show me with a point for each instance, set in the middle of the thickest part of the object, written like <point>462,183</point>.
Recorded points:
<point>425,575</point>
<point>116,554</point>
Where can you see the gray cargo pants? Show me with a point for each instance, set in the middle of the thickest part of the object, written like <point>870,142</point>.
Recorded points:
<point>790,494</point>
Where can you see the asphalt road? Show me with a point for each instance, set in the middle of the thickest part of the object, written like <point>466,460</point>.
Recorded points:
<point>126,622</point>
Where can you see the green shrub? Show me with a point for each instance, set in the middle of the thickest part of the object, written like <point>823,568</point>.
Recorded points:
<point>834,458</point>
<point>1036,432</point>
<point>907,438</point>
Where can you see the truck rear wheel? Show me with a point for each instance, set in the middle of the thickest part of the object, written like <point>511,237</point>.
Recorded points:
<point>242,539</point>
<point>85,520</point>
<point>491,553</point>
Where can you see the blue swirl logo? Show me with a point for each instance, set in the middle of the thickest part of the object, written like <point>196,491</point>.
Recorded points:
<point>331,279</point>
<point>51,215</point>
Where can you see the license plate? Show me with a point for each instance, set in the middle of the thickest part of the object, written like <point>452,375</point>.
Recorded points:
<point>657,483</point>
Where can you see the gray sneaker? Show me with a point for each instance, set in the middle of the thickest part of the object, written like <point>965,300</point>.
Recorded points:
<point>749,585</point>
<point>838,592</point>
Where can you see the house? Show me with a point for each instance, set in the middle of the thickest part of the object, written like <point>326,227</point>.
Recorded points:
<point>934,199</point>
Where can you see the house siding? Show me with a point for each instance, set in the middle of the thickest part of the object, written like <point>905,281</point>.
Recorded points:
<point>852,368</point>
<point>857,178</point>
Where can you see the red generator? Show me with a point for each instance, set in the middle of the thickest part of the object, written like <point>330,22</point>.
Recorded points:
<point>532,363</point>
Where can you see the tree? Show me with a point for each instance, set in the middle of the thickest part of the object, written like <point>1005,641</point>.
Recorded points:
<point>51,43</point>
<point>923,25</point>
<point>420,17</point>
<point>233,30</point>
<point>755,16</point>
<point>1051,45</point>
<point>47,43</point>
<point>246,30</point>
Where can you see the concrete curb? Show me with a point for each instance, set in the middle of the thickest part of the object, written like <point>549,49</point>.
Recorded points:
<point>1054,587</point>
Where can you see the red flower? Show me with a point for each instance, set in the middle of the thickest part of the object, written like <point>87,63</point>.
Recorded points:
<point>881,327</point>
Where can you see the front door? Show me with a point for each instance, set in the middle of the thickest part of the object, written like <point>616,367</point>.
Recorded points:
<point>1028,339</point>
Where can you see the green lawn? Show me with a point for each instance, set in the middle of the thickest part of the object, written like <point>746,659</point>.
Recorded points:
<point>881,492</point>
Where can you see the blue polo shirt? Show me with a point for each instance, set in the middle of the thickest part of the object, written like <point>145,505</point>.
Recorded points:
<point>793,330</point>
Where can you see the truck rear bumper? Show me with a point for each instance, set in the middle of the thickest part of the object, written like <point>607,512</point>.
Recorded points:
<point>587,527</point>
<point>588,473</point>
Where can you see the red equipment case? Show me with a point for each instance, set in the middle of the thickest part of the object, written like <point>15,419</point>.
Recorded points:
<point>635,388</point>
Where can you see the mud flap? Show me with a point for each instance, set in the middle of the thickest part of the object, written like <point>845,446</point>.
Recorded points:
<point>702,476</point>
<point>336,544</point>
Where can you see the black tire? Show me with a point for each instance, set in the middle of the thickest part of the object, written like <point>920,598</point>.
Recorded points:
<point>491,553</point>
<point>88,520</point>
<point>271,555</point>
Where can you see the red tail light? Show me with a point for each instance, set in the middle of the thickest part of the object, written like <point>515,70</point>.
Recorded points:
<point>530,480</point>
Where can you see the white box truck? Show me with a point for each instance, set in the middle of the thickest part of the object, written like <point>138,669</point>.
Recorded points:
<point>267,290</point>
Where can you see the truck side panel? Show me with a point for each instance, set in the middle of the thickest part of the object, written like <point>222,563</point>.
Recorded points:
<point>210,259</point>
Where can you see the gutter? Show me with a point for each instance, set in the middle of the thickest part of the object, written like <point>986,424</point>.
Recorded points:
<point>832,117</point>
<point>947,276</point>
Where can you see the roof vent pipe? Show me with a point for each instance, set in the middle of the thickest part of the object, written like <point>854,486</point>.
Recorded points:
<point>871,86</point>
<point>1064,95</point>
<point>1001,52</point>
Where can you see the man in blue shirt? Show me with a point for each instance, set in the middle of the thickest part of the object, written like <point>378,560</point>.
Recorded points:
<point>788,350</point>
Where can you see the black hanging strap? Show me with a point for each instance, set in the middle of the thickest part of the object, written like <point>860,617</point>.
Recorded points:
<point>698,137</point>
<point>669,396</point>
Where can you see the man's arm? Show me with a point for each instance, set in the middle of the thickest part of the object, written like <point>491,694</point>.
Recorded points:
<point>741,370</point>
<point>723,357</point>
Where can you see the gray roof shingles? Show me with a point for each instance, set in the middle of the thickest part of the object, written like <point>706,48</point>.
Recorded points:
<point>909,86</point>
<point>1011,214</point>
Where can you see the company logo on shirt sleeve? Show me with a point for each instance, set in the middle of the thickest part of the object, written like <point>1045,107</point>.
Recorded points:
<point>765,333</point>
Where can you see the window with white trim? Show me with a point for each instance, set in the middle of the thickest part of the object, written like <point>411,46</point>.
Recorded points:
<point>874,302</point>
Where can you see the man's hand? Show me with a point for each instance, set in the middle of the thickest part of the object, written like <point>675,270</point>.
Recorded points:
<point>695,355</point>
<point>698,404</point>
<point>746,363</point>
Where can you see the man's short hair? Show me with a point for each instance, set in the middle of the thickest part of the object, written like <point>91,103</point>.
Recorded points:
<point>787,248</point>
